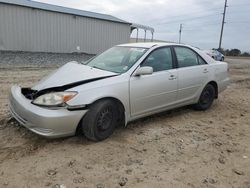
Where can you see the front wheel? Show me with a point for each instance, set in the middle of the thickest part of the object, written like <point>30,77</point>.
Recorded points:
<point>100,121</point>
<point>206,98</point>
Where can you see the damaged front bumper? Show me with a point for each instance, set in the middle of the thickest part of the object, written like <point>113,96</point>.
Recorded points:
<point>46,122</point>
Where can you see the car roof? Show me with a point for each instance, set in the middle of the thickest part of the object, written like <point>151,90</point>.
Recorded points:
<point>150,44</point>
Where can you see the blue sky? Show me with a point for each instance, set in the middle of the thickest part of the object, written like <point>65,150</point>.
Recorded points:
<point>201,19</point>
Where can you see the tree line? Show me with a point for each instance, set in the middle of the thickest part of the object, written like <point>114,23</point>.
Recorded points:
<point>234,52</point>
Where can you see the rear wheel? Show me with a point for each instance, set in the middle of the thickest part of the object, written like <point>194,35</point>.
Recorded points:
<point>206,98</point>
<point>100,121</point>
<point>222,59</point>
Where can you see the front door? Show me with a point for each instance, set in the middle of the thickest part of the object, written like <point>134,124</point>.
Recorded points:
<point>149,93</point>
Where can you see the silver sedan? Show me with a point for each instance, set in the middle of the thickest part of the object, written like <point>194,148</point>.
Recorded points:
<point>120,85</point>
<point>215,54</point>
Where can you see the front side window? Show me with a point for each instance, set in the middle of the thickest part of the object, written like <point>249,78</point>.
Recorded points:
<point>159,60</point>
<point>186,57</point>
<point>117,59</point>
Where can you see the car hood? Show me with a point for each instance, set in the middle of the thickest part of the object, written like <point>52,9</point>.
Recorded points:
<point>71,73</point>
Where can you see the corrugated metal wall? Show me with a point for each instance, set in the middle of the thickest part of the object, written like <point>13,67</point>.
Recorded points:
<point>27,29</point>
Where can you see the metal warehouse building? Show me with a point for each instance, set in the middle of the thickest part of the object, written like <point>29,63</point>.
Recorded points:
<point>33,26</point>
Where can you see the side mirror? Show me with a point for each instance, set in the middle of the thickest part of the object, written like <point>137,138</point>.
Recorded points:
<point>144,71</point>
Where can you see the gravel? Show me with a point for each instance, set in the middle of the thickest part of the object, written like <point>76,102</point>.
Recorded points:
<point>40,58</point>
<point>179,148</point>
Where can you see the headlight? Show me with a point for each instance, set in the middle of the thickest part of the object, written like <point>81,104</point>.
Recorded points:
<point>54,99</point>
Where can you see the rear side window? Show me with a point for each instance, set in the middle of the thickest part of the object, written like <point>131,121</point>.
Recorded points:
<point>186,57</point>
<point>159,60</point>
<point>201,61</point>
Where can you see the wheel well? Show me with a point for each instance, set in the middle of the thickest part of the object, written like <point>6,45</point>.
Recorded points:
<point>118,102</point>
<point>120,108</point>
<point>214,84</point>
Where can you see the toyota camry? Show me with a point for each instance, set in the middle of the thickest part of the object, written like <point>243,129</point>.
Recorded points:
<point>124,83</point>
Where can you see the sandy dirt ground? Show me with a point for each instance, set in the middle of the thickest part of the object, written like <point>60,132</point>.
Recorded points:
<point>179,148</point>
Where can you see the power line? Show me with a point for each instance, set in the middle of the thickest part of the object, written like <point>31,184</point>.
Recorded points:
<point>189,13</point>
<point>193,13</point>
<point>203,23</point>
<point>238,12</point>
<point>241,22</point>
<point>193,18</point>
<point>200,26</point>
<point>238,5</point>
<point>198,17</point>
<point>188,19</point>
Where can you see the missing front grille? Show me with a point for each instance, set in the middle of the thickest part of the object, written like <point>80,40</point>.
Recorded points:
<point>28,93</point>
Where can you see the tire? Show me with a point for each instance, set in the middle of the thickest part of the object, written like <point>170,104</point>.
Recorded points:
<point>222,59</point>
<point>100,121</point>
<point>206,98</point>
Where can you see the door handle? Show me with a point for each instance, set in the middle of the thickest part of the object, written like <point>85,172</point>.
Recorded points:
<point>172,77</point>
<point>205,71</point>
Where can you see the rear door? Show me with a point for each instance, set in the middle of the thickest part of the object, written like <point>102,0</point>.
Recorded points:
<point>193,73</point>
<point>149,93</point>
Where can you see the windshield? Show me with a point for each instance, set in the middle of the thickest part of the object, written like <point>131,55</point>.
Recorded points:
<point>117,59</point>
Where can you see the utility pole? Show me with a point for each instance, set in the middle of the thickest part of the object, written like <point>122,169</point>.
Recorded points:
<point>180,33</point>
<point>223,22</point>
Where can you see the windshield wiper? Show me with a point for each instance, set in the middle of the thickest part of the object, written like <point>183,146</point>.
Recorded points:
<point>98,68</point>
<point>105,69</point>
